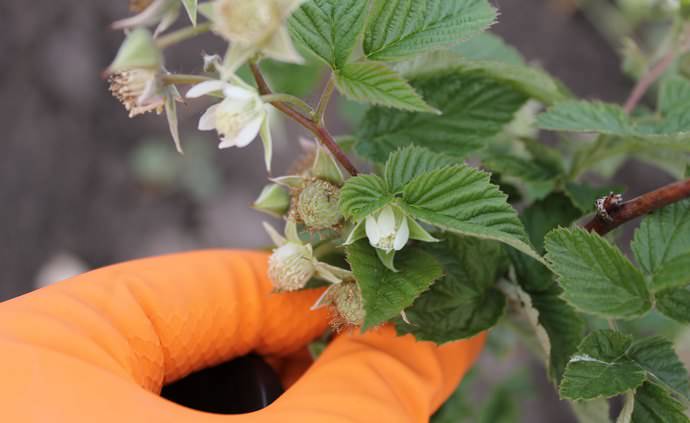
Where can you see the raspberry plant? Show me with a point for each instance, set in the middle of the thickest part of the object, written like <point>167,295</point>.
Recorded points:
<point>453,120</point>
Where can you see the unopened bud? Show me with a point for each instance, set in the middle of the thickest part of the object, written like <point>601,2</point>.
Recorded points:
<point>317,205</point>
<point>290,267</point>
<point>347,298</point>
<point>138,51</point>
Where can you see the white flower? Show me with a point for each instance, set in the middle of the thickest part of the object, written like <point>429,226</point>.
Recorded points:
<point>292,264</point>
<point>256,26</point>
<point>387,232</point>
<point>238,119</point>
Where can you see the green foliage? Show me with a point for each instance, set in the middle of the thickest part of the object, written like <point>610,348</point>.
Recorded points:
<point>410,162</point>
<point>461,199</point>
<point>402,28</point>
<point>464,302</point>
<point>474,108</point>
<point>387,293</point>
<point>663,236</point>
<point>363,195</point>
<point>190,6</point>
<point>675,304</point>
<point>488,46</point>
<point>376,84</point>
<point>653,404</point>
<point>329,28</point>
<point>584,195</point>
<point>595,276</point>
<point>657,357</point>
<point>673,128</point>
<point>601,368</point>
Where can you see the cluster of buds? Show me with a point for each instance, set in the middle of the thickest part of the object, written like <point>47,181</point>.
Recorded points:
<point>314,195</point>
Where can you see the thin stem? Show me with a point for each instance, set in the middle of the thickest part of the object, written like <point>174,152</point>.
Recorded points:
<point>287,98</point>
<point>319,131</point>
<point>324,100</point>
<point>182,35</point>
<point>655,73</point>
<point>640,206</point>
<point>183,79</point>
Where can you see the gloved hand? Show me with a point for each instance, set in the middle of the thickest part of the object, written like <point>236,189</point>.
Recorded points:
<point>99,347</point>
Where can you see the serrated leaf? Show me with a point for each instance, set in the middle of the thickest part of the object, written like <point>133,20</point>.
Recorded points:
<point>461,199</point>
<point>611,119</point>
<point>363,195</point>
<point>544,215</point>
<point>601,368</point>
<point>529,80</point>
<point>488,46</point>
<point>654,405</point>
<point>675,304</point>
<point>657,357</point>
<point>190,6</point>
<point>674,273</point>
<point>464,302</point>
<point>387,293</point>
<point>376,84</point>
<point>409,162</point>
<point>329,28</point>
<point>474,107</point>
<point>595,276</point>
<point>662,236</point>
<point>402,28</point>
<point>674,94</point>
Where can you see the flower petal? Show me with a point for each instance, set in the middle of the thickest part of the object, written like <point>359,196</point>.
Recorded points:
<point>249,132</point>
<point>402,236</point>
<point>372,230</point>
<point>386,221</point>
<point>206,87</point>
<point>240,93</point>
<point>207,121</point>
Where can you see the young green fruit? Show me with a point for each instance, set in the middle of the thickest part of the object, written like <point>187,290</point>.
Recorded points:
<point>317,205</point>
<point>347,298</point>
<point>290,267</point>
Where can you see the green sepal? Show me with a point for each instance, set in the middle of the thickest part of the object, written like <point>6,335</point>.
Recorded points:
<point>138,50</point>
<point>273,200</point>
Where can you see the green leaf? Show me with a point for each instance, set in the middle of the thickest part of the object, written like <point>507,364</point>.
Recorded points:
<point>461,199</point>
<point>611,119</point>
<point>401,28</point>
<point>595,276</point>
<point>191,7</point>
<point>488,46</point>
<point>544,215</point>
<point>674,95</point>
<point>464,302</point>
<point>329,28</point>
<point>657,357</point>
<point>474,107</point>
<point>675,304</point>
<point>601,368</point>
<point>387,293</point>
<point>662,236</point>
<point>594,411</point>
<point>376,84</point>
<point>564,326</point>
<point>654,405</point>
<point>674,273</point>
<point>409,162</point>
<point>363,195</point>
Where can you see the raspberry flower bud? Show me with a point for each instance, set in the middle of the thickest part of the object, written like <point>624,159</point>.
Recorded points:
<point>255,27</point>
<point>317,205</point>
<point>293,264</point>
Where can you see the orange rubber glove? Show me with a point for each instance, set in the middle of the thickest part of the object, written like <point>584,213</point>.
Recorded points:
<point>99,347</point>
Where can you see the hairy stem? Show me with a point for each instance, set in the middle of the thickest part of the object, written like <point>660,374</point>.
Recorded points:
<point>182,35</point>
<point>324,100</point>
<point>317,129</point>
<point>640,206</point>
<point>656,72</point>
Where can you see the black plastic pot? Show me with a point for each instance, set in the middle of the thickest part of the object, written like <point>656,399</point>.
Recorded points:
<point>239,386</point>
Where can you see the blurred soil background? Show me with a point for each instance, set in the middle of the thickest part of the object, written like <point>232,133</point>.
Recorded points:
<point>83,186</point>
